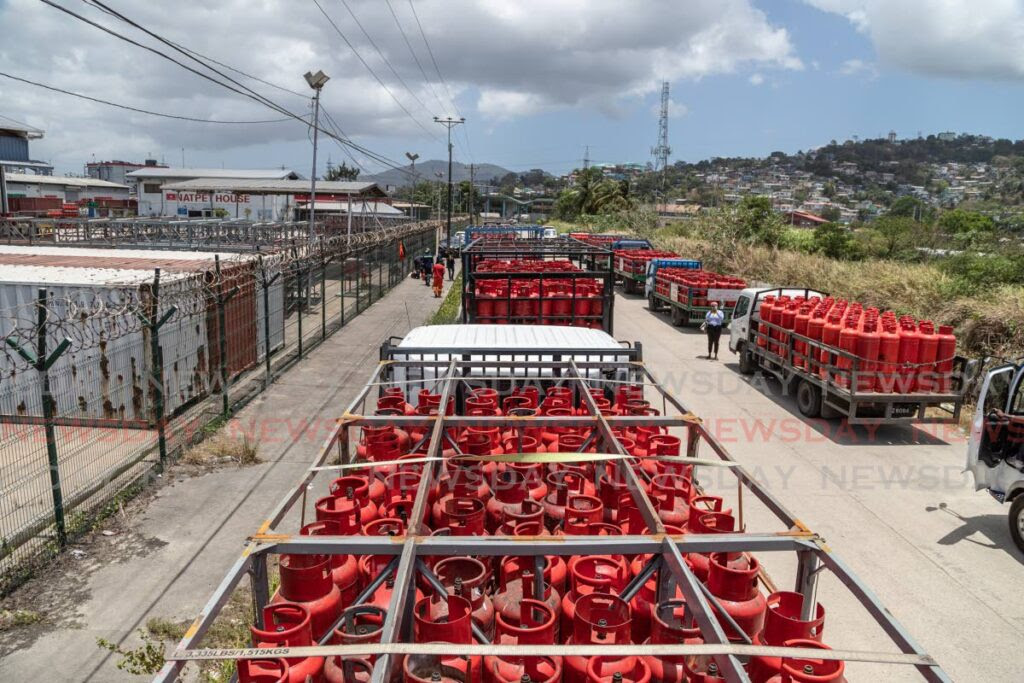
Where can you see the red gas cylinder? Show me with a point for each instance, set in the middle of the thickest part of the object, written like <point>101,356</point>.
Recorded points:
<point>782,622</point>
<point>672,493</point>
<point>701,521</point>
<point>616,670</point>
<point>732,578</point>
<point>910,344</point>
<point>800,324</point>
<point>510,490</point>
<point>359,624</point>
<point>262,670</point>
<point>288,625</point>
<point>589,574</point>
<point>767,304</point>
<point>344,568</point>
<point>372,565</point>
<point>366,490</point>
<point>345,511</point>
<point>642,605</point>
<point>666,445</point>
<point>847,342</point>
<point>830,339</point>
<point>517,585</point>
<point>702,669</point>
<point>534,623</point>
<point>600,619</point>
<point>467,576</point>
<point>926,355</point>
<point>669,627</point>
<point>306,580</point>
<point>555,568</point>
<point>580,513</point>
<point>888,358</point>
<point>868,346</point>
<point>443,621</point>
<point>464,517</point>
<point>809,669</point>
<point>944,358</point>
<point>561,485</point>
<point>533,473</point>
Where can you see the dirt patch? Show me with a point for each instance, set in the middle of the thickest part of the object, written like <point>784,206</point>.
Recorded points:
<point>222,449</point>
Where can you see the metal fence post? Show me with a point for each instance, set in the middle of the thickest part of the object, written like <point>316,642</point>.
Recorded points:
<point>323,296</point>
<point>222,343</point>
<point>301,303</point>
<point>265,284</point>
<point>42,363</point>
<point>359,276</point>
<point>157,363</point>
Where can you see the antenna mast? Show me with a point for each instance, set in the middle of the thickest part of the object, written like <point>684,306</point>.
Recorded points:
<point>662,150</point>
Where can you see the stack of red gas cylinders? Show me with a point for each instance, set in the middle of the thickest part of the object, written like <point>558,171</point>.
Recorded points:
<point>548,301</point>
<point>691,286</point>
<point>574,599</point>
<point>888,354</point>
<point>634,261</point>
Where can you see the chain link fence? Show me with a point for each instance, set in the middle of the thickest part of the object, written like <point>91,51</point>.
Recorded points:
<point>100,388</point>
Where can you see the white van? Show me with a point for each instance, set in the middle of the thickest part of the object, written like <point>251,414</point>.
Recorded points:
<point>995,451</point>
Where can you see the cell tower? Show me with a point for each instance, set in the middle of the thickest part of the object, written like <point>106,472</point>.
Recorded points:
<point>662,150</point>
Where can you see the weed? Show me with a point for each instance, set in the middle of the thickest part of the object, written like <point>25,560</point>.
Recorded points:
<point>16,618</point>
<point>222,448</point>
<point>449,308</point>
<point>146,659</point>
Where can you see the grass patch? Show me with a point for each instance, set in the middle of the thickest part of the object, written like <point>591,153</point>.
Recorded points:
<point>222,448</point>
<point>449,309</point>
<point>11,619</point>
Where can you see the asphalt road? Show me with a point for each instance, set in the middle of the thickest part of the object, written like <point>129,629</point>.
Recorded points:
<point>892,502</point>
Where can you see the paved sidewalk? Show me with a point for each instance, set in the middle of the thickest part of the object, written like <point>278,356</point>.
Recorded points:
<point>182,544</point>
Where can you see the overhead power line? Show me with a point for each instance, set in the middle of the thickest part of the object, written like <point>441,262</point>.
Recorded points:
<point>251,94</point>
<point>372,72</point>
<point>433,60</point>
<point>130,108</point>
<point>415,58</point>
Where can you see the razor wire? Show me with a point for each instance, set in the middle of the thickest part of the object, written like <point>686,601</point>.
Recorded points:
<point>92,319</point>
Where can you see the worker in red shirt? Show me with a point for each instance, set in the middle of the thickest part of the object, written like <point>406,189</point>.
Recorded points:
<point>438,272</point>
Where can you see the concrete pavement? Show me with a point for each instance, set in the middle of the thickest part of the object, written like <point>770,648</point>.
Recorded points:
<point>183,543</point>
<point>891,502</point>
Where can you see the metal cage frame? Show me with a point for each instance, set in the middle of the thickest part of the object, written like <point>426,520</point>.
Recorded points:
<point>576,369</point>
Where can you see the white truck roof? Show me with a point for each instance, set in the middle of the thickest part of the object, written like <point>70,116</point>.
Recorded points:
<point>526,337</point>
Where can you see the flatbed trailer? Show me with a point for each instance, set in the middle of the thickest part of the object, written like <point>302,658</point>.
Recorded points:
<point>587,293</point>
<point>453,363</point>
<point>833,388</point>
<point>685,305</point>
<point>631,270</point>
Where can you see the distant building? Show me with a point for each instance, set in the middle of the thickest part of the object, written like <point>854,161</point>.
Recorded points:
<point>947,136</point>
<point>149,182</point>
<point>803,219</point>
<point>14,155</point>
<point>117,171</point>
<point>30,194</point>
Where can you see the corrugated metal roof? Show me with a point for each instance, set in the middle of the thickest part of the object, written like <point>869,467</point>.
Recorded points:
<point>359,207</point>
<point>525,337</point>
<point>33,179</point>
<point>81,266</point>
<point>275,186</point>
<point>251,173</point>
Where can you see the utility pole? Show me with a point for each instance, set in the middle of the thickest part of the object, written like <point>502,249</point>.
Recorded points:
<point>449,123</point>
<point>316,82</point>
<point>586,157</point>
<point>472,189</point>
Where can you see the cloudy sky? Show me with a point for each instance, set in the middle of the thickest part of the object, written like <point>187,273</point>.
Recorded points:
<point>537,80</point>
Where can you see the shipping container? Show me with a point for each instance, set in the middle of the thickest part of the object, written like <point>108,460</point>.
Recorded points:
<point>93,299</point>
<point>536,281</point>
<point>485,512</point>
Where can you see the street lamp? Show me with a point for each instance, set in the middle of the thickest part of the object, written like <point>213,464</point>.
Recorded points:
<point>316,82</point>
<point>448,122</point>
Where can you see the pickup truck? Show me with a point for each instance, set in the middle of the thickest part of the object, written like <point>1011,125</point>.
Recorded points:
<point>995,450</point>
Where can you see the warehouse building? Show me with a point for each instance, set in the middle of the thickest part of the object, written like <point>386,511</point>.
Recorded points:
<point>269,199</point>
<point>157,200</point>
<point>117,171</point>
<point>29,194</point>
<point>14,154</point>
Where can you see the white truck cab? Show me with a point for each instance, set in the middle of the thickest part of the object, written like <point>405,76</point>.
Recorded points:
<point>995,451</point>
<point>749,301</point>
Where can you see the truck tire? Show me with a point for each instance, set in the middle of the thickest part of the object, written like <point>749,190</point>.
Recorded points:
<point>677,316</point>
<point>1017,521</point>
<point>652,303</point>
<point>747,364</point>
<point>808,399</point>
<point>828,412</point>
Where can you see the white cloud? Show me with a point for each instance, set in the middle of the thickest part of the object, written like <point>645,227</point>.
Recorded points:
<point>511,59</point>
<point>676,110</point>
<point>756,79</point>
<point>951,38</point>
<point>858,67</point>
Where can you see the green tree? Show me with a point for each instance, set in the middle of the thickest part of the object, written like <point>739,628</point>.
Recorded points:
<point>907,207</point>
<point>889,235</point>
<point>829,190</point>
<point>835,241</point>
<point>831,214</point>
<point>758,222</point>
<point>962,221</point>
<point>592,194</point>
<point>343,172</point>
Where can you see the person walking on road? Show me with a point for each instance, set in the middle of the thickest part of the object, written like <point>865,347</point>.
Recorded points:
<point>438,276</point>
<point>450,260</point>
<point>428,262</point>
<point>713,321</point>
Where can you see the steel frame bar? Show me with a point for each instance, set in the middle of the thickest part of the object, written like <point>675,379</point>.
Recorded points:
<point>667,550</point>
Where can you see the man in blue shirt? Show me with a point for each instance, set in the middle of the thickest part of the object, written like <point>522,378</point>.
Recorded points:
<point>713,321</point>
